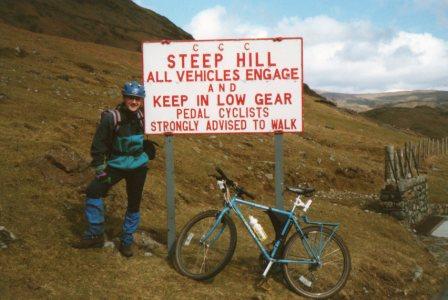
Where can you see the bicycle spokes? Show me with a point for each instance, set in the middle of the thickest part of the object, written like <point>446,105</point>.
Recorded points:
<point>327,273</point>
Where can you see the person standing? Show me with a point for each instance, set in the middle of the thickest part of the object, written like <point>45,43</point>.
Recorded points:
<point>117,153</point>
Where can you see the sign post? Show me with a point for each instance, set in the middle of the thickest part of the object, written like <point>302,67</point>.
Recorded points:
<point>278,145</point>
<point>171,208</point>
<point>223,86</point>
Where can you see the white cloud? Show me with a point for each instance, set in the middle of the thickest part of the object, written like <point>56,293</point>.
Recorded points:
<point>351,56</point>
<point>217,23</point>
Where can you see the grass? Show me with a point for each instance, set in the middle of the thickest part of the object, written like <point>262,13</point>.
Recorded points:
<point>54,96</point>
<point>437,173</point>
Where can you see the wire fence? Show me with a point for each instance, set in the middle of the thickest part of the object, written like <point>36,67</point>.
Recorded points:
<point>407,162</point>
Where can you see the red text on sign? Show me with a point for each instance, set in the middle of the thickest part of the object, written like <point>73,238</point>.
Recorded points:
<point>194,61</point>
<point>254,59</point>
<point>273,99</point>
<point>169,100</point>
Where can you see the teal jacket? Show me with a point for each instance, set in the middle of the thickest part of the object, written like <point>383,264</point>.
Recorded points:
<point>122,149</point>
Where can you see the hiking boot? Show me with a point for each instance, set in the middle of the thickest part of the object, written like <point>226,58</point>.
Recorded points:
<point>126,250</point>
<point>95,241</point>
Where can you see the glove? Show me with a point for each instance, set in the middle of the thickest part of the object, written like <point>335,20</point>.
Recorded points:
<point>100,173</point>
<point>99,170</point>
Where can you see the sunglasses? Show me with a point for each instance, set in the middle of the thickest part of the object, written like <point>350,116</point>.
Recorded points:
<point>133,98</point>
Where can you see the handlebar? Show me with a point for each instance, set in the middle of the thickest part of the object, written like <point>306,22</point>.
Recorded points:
<point>239,189</point>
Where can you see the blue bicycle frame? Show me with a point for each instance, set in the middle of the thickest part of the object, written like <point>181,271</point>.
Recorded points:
<point>314,252</point>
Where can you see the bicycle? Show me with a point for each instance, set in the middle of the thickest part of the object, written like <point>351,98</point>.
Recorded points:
<point>316,263</point>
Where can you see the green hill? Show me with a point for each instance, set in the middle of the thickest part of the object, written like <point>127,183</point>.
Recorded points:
<point>432,122</point>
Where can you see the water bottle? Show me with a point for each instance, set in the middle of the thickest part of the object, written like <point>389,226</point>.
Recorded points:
<point>258,229</point>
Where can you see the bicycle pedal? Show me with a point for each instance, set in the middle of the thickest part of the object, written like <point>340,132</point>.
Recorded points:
<point>265,284</point>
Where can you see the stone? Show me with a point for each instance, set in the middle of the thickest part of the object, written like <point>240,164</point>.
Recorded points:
<point>144,240</point>
<point>400,215</point>
<point>67,159</point>
<point>6,237</point>
<point>109,244</point>
<point>3,96</point>
<point>269,176</point>
<point>418,272</point>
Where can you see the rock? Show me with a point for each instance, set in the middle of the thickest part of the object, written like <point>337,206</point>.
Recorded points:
<point>6,237</point>
<point>148,254</point>
<point>349,172</point>
<point>144,240</point>
<point>269,176</point>
<point>20,52</point>
<point>3,97</point>
<point>418,272</point>
<point>109,244</point>
<point>66,159</point>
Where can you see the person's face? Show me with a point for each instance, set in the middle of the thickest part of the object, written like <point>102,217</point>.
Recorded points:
<point>133,103</point>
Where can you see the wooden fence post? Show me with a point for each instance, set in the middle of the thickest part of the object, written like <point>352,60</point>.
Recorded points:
<point>390,169</point>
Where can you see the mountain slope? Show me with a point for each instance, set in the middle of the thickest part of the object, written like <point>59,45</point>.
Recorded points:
<point>118,23</point>
<point>52,91</point>
<point>425,120</point>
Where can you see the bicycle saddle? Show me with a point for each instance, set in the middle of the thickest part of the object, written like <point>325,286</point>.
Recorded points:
<point>301,190</point>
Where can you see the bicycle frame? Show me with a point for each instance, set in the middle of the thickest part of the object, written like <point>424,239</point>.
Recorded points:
<point>232,204</point>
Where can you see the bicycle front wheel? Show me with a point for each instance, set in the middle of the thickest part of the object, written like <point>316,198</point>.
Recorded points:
<point>319,280</point>
<point>205,246</point>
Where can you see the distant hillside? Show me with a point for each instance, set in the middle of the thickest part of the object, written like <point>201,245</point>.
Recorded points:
<point>432,122</point>
<point>117,23</point>
<point>364,102</point>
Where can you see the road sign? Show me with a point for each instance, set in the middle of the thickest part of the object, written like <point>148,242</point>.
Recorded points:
<point>223,86</point>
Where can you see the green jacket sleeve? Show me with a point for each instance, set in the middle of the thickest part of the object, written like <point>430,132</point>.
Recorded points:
<point>102,140</point>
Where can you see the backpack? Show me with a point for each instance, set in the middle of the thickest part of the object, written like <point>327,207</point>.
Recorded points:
<point>149,146</point>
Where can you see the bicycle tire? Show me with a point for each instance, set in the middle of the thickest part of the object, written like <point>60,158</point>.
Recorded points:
<point>295,285</point>
<point>189,238</point>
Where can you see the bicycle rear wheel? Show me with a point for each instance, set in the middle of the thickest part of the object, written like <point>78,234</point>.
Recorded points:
<point>317,280</point>
<point>201,252</point>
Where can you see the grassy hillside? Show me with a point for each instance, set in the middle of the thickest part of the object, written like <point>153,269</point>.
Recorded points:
<point>52,91</point>
<point>432,122</point>
<point>118,23</point>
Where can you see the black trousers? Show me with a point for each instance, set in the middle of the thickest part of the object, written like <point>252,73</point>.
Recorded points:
<point>135,180</point>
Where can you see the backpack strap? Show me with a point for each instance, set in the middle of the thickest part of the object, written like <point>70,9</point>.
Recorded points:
<point>141,118</point>
<point>117,118</point>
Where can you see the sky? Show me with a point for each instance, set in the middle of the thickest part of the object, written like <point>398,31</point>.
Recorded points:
<point>349,46</point>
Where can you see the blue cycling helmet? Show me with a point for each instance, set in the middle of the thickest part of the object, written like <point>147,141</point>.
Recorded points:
<point>133,89</point>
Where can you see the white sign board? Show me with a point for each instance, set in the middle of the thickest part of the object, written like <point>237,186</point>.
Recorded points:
<point>223,86</point>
